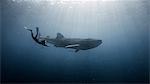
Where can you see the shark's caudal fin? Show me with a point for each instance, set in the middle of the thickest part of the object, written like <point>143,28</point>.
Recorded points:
<point>59,36</point>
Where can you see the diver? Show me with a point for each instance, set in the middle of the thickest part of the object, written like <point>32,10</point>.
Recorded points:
<point>36,37</point>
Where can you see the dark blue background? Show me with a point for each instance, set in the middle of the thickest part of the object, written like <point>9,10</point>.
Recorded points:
<point>123,56</point>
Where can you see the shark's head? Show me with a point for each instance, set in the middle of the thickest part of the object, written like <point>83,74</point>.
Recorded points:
<point>90,43</point>
<point>96,43</point>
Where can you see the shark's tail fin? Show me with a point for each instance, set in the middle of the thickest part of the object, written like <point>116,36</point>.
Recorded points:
<point>59,36</point>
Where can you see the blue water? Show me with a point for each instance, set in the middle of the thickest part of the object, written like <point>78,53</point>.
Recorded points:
<point>121,25</point>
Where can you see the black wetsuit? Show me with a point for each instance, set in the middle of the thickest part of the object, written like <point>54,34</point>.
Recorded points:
<point>36,39</point>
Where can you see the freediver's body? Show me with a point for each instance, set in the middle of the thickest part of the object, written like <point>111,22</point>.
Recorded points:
<point>36,39</point>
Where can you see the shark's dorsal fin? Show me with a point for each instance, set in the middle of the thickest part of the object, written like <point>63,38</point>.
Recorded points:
<point>59,36</point>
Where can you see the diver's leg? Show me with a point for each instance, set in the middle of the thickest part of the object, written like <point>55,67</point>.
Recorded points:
<point>37,32</point>
<point>31,32</point>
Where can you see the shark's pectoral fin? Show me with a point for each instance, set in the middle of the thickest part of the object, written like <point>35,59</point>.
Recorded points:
<point>76,50</point>
<point>73,46</point>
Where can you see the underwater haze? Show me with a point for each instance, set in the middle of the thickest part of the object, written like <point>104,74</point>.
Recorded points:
<point>123,26</point>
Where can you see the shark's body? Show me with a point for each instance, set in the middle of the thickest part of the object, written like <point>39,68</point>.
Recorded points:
<point>74,43</point>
